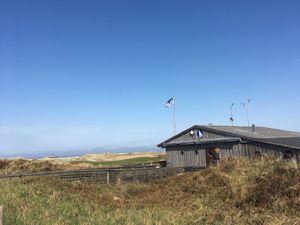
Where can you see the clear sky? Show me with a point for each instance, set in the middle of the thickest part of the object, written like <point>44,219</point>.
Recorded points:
<point>95,74</point>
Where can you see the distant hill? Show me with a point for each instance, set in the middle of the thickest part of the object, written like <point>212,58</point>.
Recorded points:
<point>77,152</point>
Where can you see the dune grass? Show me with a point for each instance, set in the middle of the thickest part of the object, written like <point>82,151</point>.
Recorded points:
<point>27,166</point>
<point>121,162</point>
<point>236,192</point>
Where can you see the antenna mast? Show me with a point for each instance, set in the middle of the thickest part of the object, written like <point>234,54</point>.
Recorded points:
<point>174,118</point>
<point>246,107</point>
<point>231,114</point>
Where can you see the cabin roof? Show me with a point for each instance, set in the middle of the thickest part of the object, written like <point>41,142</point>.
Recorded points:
<point>261,134</point>
<point>217,140</point>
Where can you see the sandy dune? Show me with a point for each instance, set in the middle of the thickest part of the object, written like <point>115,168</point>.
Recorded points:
<point>105,157</point>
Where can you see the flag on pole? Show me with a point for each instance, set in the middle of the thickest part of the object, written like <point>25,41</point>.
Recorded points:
<point>170,102</point>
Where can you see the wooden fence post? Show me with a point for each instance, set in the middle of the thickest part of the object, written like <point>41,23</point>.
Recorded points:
<point>1,215</point>
<point>107,178</point>
<point>118,182</point>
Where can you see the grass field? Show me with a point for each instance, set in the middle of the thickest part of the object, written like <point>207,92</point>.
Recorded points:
<point>237,192</point>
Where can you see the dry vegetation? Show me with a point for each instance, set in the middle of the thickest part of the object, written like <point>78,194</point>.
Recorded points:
<point>105,157</point>
<point>237,192</point>
<point>14,166</point>
<point>24,166</point>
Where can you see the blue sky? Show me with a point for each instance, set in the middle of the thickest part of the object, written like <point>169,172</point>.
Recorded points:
<point>94,74</point>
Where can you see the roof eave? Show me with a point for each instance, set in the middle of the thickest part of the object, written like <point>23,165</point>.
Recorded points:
<point>205,142</point>
<point>261,140</point>
<point>160,145</point>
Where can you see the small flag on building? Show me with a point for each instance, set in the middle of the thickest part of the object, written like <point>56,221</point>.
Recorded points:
<point>199,133</point>
<point>170,102</point>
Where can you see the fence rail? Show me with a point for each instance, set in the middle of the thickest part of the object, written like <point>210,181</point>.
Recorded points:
<point>108,175</point>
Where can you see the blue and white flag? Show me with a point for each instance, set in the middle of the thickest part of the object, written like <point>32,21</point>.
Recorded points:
<point>199,133</point>
<point>170,102</point>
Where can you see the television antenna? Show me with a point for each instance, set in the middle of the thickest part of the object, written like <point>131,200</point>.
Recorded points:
<point>245,105</point>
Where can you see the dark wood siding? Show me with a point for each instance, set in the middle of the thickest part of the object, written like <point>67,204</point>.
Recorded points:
<point>247,150</point>
<point>193,156</point>
<point>207,135</point>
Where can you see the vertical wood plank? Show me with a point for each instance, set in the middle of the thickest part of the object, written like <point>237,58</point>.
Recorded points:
<point>107,178</point>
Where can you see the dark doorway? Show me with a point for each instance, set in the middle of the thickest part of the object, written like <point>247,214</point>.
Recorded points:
<point>211,156</point>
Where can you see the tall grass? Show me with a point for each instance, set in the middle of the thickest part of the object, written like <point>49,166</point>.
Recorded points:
<point>236,192</point>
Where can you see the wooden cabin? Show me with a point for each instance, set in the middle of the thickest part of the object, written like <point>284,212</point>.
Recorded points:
<point>201,146</point>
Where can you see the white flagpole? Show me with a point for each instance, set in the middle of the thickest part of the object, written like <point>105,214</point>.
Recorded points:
<point>248,103</point>
<point>174,120</point>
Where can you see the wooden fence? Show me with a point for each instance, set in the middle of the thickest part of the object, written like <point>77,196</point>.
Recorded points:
<point>108,175</point>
